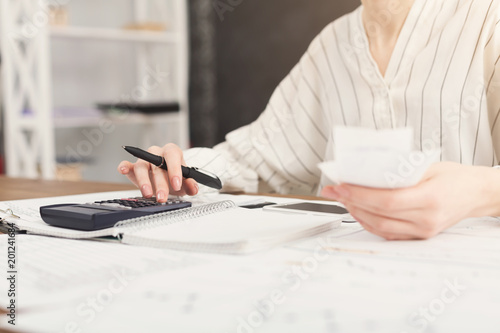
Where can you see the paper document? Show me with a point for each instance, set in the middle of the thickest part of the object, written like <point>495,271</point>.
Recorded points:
<point>377,158</point>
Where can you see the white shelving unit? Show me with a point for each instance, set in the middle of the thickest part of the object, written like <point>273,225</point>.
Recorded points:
<point>28,80</point>
<point>114,35</point>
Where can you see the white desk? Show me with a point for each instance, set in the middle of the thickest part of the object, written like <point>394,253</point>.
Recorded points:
<point>344,281</point>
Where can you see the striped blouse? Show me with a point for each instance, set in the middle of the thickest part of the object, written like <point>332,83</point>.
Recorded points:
<point>443,80</point>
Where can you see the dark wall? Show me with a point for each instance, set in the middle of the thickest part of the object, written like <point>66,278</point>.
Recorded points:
<point>241,50</point>
<point>257,44</point>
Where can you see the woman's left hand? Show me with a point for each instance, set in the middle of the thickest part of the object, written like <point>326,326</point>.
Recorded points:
<point>448,193</point>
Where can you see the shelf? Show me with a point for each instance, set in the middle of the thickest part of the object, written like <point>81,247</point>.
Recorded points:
<point>30,143</point>
<point>61,122</point>
<point>114,34</point>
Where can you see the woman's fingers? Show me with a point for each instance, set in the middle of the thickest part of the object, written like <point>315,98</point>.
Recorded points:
<point>171,182</point>
<point>388,236</point>
<point>174,159</point>
<point>142,174</point>
<point>392,228</point>
<point>384,200</point>
<point>191,186</point>
<point>138,174</point>
<point>156,177</point>
<point>159,181</point>
<point>127,169</point>
<point>152,180</point>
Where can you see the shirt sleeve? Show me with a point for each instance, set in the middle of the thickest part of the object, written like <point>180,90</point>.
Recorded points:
<point>281,149</point>
<point>492,80</point>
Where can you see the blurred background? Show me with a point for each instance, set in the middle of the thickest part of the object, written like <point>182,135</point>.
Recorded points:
<point>81,78</point>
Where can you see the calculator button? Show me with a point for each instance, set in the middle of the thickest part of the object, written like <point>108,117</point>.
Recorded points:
<point>138,202</point>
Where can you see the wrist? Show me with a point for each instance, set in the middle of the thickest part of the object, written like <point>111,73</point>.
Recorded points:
<point>491,191</point>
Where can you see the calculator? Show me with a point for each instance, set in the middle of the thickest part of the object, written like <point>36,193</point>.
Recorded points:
<point>104,214</point>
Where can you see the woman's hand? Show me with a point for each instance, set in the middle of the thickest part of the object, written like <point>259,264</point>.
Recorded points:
<point>447,194</point>
<point>152,180</point>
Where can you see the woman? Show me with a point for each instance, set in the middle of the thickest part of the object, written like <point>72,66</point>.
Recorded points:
<point>429,64</point>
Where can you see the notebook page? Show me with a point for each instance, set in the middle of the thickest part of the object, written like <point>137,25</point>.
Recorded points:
<point>233,226</point>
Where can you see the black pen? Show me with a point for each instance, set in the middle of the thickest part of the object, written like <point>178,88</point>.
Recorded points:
<point>203,177</point>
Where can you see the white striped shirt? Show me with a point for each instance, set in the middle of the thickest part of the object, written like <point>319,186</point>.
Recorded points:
<point>443,80</point>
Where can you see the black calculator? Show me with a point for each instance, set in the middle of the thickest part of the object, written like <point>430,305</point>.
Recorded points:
<point>104,214</point>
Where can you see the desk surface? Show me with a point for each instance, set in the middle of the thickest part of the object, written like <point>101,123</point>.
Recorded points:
<point>345,280</point>
<point>20,188</point>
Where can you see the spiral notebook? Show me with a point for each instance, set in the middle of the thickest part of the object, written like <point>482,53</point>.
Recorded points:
<point>216,227</point>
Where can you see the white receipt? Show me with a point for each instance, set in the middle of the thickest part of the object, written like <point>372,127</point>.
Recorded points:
<point>377,158</point>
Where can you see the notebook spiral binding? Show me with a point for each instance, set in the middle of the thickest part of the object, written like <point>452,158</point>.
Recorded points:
<point>171,217</point>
